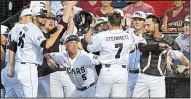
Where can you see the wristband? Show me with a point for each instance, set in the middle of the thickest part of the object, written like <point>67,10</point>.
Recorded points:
<point>47,56</point>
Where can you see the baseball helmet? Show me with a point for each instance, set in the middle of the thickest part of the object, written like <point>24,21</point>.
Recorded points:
<point>4,30</point>
<point>82,20</point>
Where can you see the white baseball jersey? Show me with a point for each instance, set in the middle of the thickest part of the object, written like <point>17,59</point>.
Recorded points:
<point>81,69</point>
<point>114,46</point>
<point>134,57</point>
<point>13,31</point>
<point>28,44</point>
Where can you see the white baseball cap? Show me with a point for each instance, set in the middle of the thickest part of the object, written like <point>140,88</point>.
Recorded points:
<point>4,29</point>
<point>147,14</point>
<point>139,14</point>
<point>25,12</point>
<point>39,10</point>
<point>101,20</point>
<point>187,18</point>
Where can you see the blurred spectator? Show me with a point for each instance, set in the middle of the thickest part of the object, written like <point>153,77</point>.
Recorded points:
<point>138,6</point>
<point>119,3</point>
<point>89,5</point>
<point>160,6</point>
<point>104,10</point>
<point>174,17</point>
<point>53,6</point>
<point>187,4</point>
<point>184,39</point>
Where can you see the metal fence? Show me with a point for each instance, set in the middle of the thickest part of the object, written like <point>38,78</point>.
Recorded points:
<point>10,10</point>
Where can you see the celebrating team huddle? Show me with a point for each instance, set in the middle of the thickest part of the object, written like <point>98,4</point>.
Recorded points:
<point>51,55</point>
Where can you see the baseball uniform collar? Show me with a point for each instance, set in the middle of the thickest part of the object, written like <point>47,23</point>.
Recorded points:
<point>116,31</point>
<point>74,60</point>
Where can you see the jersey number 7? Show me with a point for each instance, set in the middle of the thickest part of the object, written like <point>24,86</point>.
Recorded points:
<point>120,46</point>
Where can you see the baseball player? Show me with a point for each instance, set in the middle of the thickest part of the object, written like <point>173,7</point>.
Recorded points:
<point>79,66</point>
<point>28,47</point>
<point>12,85</point>
<point>151,80</point>
<point>138,20</point>
<point>58,83</point>
<point>114,46</point>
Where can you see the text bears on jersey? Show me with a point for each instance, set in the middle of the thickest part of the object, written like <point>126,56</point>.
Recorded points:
<point>115,38</point>
<point>76,70</point>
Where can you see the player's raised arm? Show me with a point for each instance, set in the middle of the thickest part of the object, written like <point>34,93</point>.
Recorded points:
<point>49,42</point>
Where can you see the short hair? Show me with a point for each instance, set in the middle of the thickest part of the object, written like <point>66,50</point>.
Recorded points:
<point>114,18</point>
<point>155,19</point>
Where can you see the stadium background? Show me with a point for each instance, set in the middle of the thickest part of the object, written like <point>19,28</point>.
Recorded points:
<point>175,86</point>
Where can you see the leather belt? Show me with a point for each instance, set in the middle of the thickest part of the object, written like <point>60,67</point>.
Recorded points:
<point>109,65</point>
<point>29,63</point>
<point>61,69</point>
<point>150,74</point>
<point>86,87</point>
<point>134,71</point>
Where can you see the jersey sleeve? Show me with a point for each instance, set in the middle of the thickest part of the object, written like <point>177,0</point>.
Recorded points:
<point>37,37</point>
<point>58,58</point>
<point>94,46</point>
<point>93,58</point>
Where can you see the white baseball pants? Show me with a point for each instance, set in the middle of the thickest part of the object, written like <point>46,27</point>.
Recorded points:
<point>112,80</point>
<point>90,92</point>
<point>149,86</point>
<point>60,84</point>
<point>27,74</point>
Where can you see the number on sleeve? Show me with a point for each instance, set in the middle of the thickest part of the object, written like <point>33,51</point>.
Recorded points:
<point>120,45</point>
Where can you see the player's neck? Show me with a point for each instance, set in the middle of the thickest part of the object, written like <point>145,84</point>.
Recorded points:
<point>157,34</point>
<point>72,56</point>
<point>115,27</point>
<point>37,25</point>
<point>140,31</point>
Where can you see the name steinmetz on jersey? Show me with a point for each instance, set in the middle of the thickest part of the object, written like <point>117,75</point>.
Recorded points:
<point>115,38</point>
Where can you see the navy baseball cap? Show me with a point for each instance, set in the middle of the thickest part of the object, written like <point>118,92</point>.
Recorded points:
<point>71,38</point>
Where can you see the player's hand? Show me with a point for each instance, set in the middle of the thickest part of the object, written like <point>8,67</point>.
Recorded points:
<point>181,68</point>
<point>71,3</point>
<point>60,28</point>
<point>51,64</point>
<point>11,72</point>
<point>169,64</point>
